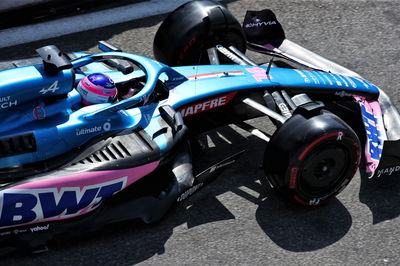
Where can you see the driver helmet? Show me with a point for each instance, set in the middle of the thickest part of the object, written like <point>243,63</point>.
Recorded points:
<point>97,88</point>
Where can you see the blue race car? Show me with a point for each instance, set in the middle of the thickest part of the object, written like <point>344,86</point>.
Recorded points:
<point>64,165</point>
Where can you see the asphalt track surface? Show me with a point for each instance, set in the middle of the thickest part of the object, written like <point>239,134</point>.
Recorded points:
<point>236,220</point>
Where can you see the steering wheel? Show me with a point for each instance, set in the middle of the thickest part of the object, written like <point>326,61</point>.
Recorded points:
<point>152,70</point>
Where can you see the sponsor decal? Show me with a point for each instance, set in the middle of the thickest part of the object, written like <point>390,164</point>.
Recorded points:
<point>352,83</point>
<point>189,192</point>
<point>7,101</point>
<point>83,131</point>
<point>259,73</point>
<point>184,50</point>
<point>107,126</point>
<point>376,135</point>
<point>334,76</point>
<point>259,23</point>
<point>316,80</point>
<point>325,75</point>
<point>375,141</point>
<point>216,75</point>
<point>340,136</point>
<point>39,228</point>
<point>24,206</point>
<point>39,113</point>
<point>222,165</point>
<point>314,201</point>
<point>285,110</point>
<point>53,88</point>
<point>363,81</point>
<point>388,171</point>
<point>342,94</point>
<point>320,77</point>
<point>343,80</point>
<point>306,79</point>
<point>179,78</point>
<point>207,105</point>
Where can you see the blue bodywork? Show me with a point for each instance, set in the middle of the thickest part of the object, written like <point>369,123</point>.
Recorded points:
<point>47,105</point>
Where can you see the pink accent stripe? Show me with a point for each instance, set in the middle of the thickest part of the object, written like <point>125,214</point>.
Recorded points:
<point>315,142</point>
<point>215,74</point>
<point>293,177</point>
<point>91,178</point>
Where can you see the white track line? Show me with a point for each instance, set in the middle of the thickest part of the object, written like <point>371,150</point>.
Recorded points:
<point>67,25</point>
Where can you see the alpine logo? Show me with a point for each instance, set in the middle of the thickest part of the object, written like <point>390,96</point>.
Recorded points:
<point>207,105</point>
<point>53,88</point>
<point>25,206</point>
<point>259,24</point>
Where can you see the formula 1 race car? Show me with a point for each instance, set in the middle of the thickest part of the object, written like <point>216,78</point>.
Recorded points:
<point>65,166</point>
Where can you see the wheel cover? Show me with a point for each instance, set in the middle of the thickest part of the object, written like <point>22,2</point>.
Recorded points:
<point>324,169</point>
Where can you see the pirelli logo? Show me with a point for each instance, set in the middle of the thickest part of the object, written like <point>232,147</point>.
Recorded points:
<point>207,105</point>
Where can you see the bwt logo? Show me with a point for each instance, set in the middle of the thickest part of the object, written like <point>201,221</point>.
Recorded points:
<point>375,141</point>
<point>22,206</point>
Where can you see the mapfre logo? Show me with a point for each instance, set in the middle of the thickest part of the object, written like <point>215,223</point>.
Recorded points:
<point>207,105</point>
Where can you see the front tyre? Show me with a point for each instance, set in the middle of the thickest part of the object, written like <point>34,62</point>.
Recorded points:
<point>185,35</point>
<point>310,160</point>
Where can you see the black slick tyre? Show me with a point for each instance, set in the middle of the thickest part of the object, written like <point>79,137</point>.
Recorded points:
<point>185,35</point>
<point>310,160</point>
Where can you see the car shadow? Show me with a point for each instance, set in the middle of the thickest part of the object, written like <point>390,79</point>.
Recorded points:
<point>382,196</point>
<point>303,229</point>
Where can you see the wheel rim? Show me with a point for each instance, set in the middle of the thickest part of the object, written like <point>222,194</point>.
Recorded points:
<point>324,169</point>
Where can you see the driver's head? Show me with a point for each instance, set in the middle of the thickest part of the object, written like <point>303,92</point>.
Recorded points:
<point>97,88</point>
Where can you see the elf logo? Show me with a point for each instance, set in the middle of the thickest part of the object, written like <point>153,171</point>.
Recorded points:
<point>24,206</point>
<point>207,105</point>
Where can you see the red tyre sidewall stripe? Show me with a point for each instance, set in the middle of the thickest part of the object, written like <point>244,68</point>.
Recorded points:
<point>315,142</point>
<point>293,177</point>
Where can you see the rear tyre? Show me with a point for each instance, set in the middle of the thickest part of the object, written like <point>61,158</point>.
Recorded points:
<point>185,35</point>
<point>310,160</point>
